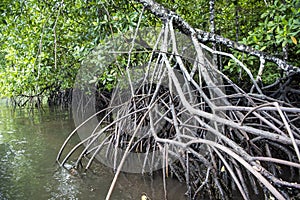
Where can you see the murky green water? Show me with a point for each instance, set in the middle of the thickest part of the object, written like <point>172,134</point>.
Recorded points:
<point>29,142</point>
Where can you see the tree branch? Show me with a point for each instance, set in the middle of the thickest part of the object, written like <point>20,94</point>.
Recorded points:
<point>165,14</point>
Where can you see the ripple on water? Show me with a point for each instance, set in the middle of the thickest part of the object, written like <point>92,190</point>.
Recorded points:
<point>28,169</point>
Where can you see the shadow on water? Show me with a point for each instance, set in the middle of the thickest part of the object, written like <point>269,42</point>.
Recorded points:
<point>29,142</point>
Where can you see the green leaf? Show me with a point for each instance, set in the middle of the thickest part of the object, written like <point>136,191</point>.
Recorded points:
<point>263,48</point>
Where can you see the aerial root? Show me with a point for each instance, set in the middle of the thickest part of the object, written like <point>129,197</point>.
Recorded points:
<point>188,119</point>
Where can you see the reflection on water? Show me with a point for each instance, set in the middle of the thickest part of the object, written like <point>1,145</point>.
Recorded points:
<point>29,142</point>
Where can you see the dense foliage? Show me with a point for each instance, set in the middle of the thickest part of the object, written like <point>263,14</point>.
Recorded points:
<point>43,42</point>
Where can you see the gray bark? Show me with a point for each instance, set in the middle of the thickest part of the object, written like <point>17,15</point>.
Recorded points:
<point>165,14</point>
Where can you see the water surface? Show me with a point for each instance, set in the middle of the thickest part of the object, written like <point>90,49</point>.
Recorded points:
<point>29,143</point>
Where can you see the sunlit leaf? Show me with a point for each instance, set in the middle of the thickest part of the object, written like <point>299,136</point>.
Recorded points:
<point>294,40</point>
